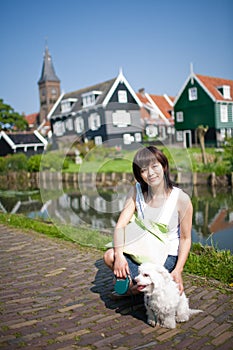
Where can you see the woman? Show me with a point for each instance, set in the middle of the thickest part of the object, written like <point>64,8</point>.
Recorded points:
<point>151,171</point>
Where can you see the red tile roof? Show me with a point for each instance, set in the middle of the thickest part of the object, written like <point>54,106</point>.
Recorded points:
<point>212,85</point>
<point>161,102</point>
<point>163,105</point>
<point>32,118</point>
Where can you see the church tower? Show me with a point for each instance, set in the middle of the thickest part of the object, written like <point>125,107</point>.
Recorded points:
<point>49,86</point>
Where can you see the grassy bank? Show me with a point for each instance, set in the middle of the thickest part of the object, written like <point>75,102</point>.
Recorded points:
<point>203,261</point>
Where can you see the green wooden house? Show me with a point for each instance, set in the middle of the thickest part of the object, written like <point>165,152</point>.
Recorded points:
<point>204,101</point>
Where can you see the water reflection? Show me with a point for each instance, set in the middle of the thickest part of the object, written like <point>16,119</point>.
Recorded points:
<point>213,210</point>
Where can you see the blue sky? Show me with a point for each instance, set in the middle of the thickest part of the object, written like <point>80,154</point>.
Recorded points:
<point>153,41</point>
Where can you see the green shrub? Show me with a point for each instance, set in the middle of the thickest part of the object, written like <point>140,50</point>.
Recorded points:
<point>2,164</point>
<point>34,163</point>
<point>53,161</point>
<point>210,262</point>
<point>16,162</point>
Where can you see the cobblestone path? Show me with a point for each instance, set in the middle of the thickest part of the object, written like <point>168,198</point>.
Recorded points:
<point>55,295</point>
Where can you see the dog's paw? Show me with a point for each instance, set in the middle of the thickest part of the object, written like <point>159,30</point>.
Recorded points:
<point>151,322</point>
<point>182,318</point>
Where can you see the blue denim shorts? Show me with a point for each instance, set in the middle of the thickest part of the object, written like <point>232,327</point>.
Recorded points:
<point>169,264</point>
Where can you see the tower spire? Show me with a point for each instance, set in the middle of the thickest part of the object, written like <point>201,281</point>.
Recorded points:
<point>48,71</point>
<point>49,85</point>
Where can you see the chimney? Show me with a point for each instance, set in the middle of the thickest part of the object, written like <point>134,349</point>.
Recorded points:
<point>141,91</point>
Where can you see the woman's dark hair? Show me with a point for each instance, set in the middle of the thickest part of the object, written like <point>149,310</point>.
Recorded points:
<point>143,158</point>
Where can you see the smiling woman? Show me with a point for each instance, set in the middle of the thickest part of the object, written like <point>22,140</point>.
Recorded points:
<point>149,201</point>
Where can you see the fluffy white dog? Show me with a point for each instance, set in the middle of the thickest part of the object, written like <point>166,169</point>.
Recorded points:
<point>164,304</point>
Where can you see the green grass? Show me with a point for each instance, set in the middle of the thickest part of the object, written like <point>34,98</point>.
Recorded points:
<point>105,165</point>
<point>207,261</point>
<point>84,236</point>
<point>185,160</point>
<point>203,261</point>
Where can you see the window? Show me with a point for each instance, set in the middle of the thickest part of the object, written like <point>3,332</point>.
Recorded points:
<point>89,98</point>
<point>223,114</point>
<point>151,130</point>
<point>79,124</point>
<point>192,94</point>
<point>54,91</point>
<point>121,118</point>
<point>162,132</point>
<point>69,124</point>
<point>59,128</point>
<point>225,90</point>
<point>138,137</point>
<point>179,117</point>
<point>94,121</point>
<point>128,139</point>
<point>98,140</point>
<point>67,104</point>
<point>179,135</point>
<point>122,96</point>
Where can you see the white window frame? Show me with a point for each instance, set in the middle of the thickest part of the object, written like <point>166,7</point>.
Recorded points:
<point>128,139</point>
<point>122,96</point>
<point>121,118</point>
<point>94,122</point>
<point>223,113</point>
<point>138,137</point>
<point>69,124</point>
<point>162,132</point>
<point>225,90</point>
<point>59,128</point>
<point>89,98</point>
<point>98,140</point>
<point>192,93</point>
<point>67,104</point>
<point>179,117</point>
<point>79,124</point>
<point>151,130</point>
<point>179,136</point>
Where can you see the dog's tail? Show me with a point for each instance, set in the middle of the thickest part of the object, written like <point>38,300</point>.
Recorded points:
<point>194,311</point>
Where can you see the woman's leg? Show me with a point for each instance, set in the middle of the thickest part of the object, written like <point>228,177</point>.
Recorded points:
<point>109,258</point>
<point>170,262</point>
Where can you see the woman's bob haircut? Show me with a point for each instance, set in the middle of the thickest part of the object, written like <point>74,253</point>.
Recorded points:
<point>146,156</point>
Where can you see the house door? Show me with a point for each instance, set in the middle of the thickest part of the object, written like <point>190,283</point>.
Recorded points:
<point>187,139</point>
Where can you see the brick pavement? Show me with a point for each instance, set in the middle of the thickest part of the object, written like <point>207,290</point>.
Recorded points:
<point>55,295</point>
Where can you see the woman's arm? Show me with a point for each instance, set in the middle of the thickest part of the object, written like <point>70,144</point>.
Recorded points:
<point>121,268</point>
<point>185,210</point>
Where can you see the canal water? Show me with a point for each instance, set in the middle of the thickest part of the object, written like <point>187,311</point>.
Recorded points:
<point>99,208</point>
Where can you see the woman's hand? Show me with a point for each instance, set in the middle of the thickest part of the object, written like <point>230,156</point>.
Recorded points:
<point>121,268</point>
<point>177,277</point>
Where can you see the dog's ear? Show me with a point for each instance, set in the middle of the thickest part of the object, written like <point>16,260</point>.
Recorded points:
<point>164,272</point>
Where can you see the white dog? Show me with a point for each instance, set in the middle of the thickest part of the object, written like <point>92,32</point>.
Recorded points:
<point>164,304</point>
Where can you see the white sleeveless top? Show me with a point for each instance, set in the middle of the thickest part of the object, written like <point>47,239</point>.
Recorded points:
<point>167,214</point>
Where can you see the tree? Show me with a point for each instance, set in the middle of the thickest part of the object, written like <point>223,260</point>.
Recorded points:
<point>11,120</point>
<point>201,131</point>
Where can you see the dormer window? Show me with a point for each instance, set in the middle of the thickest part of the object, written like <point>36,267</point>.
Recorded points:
<point>67,104</point>
<point>225,90</point>
<point>89,98</point>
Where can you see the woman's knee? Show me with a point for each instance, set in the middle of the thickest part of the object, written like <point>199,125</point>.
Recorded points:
<point>109,257</point>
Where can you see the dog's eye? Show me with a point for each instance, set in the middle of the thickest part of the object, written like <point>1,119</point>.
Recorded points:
<point>145,275</point>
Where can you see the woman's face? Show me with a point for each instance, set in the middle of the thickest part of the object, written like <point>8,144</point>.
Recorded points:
<point>153,174</point>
